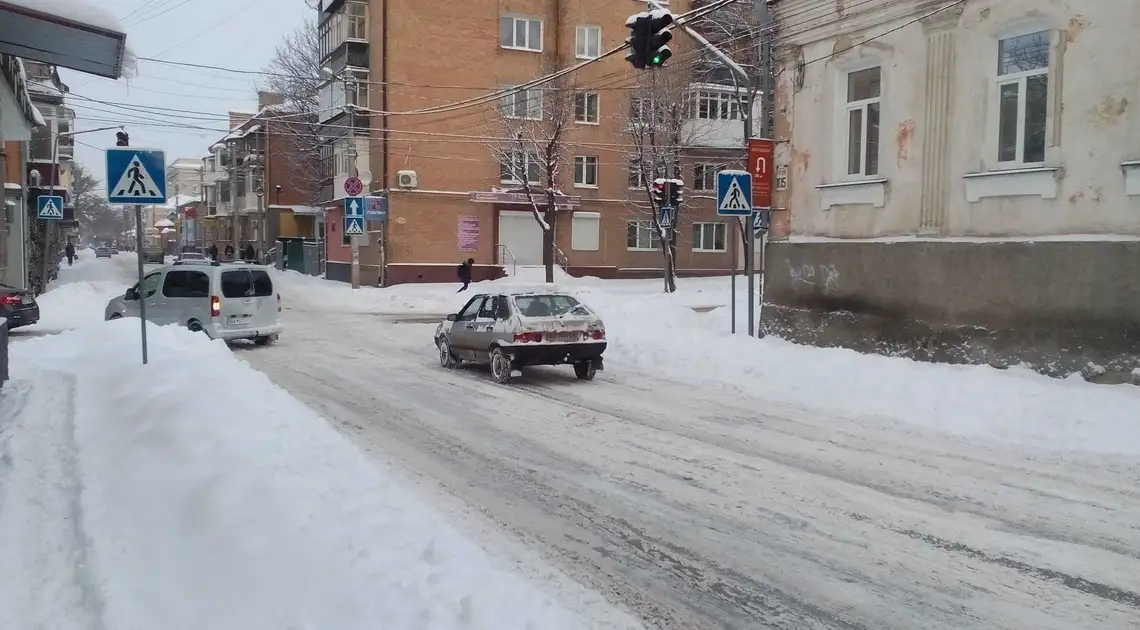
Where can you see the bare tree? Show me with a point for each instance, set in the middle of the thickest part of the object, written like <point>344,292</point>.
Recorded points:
<point>294,73</point>
<point>532,125</point>
<point>94,214</point>
<point>661,130</point>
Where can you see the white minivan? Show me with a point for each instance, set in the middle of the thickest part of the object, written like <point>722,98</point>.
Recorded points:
<point>225,300</point>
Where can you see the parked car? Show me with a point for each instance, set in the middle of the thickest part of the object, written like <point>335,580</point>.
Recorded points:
<point>228,302</point>
<point>114,250</point>
<point>18,306</point>
<point>153,255</point>
<point>511,330</point>
<point>103,252</point>
<point>192,258</point>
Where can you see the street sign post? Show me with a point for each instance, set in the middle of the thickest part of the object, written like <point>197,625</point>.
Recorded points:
<point>761,154</point>
<point>353,187</point>
<point>376,208</point>
<point>733,193</point>
<point>138,176</point>
<point>761,220</point>
<point>354,227</point>
<point>665,217</point>
<point>49,207</point>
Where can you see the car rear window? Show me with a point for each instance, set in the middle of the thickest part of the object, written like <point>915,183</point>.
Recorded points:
<point>186,284</point>
<point>546,305</point>
<point>246,283</point>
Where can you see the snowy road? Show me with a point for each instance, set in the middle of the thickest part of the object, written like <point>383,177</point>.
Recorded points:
<point>699,508</point>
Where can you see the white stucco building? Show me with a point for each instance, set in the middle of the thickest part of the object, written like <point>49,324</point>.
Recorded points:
<point>960,179</point>
<point>986,118</point>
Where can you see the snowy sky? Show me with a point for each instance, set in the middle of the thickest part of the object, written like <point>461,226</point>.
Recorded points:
<point>236,34</point>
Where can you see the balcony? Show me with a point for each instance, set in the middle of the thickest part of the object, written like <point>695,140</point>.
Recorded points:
<point>347,23</point>
<point>213,177</point>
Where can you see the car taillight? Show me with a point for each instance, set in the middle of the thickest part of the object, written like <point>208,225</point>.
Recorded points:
<point>278,302</point>
<point>528,337</point>
<point>215,306</point>
<point>9,300</point>
<point>598,333</point>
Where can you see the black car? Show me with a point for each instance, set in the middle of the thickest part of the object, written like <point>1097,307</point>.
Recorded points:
<point>18,307</point>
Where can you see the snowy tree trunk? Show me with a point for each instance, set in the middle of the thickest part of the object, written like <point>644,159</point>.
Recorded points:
<point>549,242</point>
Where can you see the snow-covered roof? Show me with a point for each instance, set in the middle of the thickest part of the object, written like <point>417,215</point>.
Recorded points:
<point>25,97</point>
<point>177,201</point>
<point>81,11</point>
<point>12,186</point>
<point>79,16</point>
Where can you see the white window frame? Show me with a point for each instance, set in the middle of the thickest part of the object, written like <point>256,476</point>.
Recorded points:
<point>586,98</point>
<point>698,242</point>
<point>527,45</point>
<point>526,102</point>
<point>357,22</point>
<point>529,159</point>
<point>862,106</point>
<point>723,101</point>
<point>582,166</point>
<point>644,226</point>
<point>1020,79</point>
<point>702,180</point>
<point>582,37</point>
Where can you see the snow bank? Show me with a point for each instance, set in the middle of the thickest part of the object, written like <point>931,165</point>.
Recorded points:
<point>80,295</point>
<point>662,334</point>
<point>212,499</point>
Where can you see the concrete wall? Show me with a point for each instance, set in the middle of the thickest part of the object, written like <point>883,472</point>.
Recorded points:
<point>1054,305</point>
<point>939,173</point>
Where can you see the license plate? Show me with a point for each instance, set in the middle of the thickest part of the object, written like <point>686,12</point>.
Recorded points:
<point>564,336</point>
<point>238,321</point>
<point>26,299</point>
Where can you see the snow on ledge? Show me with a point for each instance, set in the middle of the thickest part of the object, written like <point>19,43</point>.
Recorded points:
<point>1050,238</point>
<point>88,13</point>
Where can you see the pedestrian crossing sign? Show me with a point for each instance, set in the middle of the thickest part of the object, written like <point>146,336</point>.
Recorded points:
<point>136,176</point>
<point>734,193</point>
<point>49,207</point>
<point>354,226</point>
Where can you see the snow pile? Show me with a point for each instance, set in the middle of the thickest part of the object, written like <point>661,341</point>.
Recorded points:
<point>162,507</point>
<point>79,296</point>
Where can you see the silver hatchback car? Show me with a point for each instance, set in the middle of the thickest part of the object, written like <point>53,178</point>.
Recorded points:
<point>510,330</point>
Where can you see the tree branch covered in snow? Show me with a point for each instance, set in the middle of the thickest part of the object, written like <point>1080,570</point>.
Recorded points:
<point>294,73</point>
<point>94,214</point>
<point>533,125</point>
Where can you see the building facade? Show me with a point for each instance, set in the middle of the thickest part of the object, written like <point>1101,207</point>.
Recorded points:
<point>963,180</point>
<point>450,194</point>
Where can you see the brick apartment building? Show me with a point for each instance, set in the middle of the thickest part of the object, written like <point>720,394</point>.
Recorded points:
<point>448,198</point>
<point>259,181</point>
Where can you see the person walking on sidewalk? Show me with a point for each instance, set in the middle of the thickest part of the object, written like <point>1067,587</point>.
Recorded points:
<point>464,272</point>
<point>69,251</point>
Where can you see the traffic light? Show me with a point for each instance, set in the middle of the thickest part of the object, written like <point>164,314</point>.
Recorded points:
<point>675,188</point>
<point>638,40</point>
<point>649,36</point>
<point>122,139</point>
<point>660,192</point>
<point>657,51</point>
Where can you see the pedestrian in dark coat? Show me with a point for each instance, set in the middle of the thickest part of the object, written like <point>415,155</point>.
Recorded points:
<point>464,272</point>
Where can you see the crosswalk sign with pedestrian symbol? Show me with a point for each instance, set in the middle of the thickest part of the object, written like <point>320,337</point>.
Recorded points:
<point>734,193</point>
<point>136,176</point>
<point>49,207</point>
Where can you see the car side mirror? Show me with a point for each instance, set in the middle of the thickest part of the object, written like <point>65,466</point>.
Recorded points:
<point>131,294</point>
<point>453,317</point>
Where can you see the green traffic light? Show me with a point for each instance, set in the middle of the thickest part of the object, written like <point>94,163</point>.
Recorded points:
<point>657,60</point>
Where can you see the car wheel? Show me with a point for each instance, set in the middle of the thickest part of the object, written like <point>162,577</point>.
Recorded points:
<point>266,340</point>
<point>500,366</point>
<point>195,326</point>
<point>116,316</point>
<point>447,358</point>
<point>585,370</point>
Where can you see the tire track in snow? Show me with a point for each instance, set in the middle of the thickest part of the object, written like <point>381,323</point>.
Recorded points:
<point>49,580</point>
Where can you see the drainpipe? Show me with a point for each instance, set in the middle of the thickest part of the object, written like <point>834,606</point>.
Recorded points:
<point>384,141</point>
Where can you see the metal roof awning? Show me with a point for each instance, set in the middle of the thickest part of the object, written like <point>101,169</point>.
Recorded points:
<point>70,34</point>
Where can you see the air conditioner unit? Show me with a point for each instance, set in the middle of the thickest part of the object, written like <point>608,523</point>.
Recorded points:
<point>407,179</point>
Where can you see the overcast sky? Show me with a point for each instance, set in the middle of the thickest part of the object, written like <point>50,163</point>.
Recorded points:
<point>237,34</point>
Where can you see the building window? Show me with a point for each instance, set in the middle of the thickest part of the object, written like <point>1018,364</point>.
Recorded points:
<point>710,237</point>
<point>515,163</point>
<point>520,33</point>
<point>704,176</point>
<point>641,235</point>
<point>326,159</point>
<point>41,144</point>
<point>864,89</point>
<point>586,171</point>
<point>588,42</point>
<point>716,105</point>
<point>586,107</point>
<point>639,177</point>
<point>1023,90</point>
<point>523,104</point>
<point>357,20</point>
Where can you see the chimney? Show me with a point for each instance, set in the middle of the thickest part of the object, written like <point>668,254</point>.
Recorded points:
<point>268,99</point>
<point>238,119</point>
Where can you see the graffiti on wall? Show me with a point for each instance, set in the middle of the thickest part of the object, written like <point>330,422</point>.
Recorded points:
<point>824,276</point>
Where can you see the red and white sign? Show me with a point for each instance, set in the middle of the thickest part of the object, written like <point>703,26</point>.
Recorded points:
<point>761,155</point>
<point>353,187</point>
<point>190,212</point>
